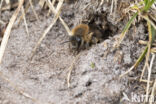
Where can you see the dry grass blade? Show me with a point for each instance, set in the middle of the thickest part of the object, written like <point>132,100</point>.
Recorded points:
<point>126,29</point>
<point>147,19</point>
<point>7,7</point>
<point>41,3</point>
<point>26,9</point>
<point>127,71</point>
<point>25,22</point>
<point>153,92</point>
<point>149,50</point>
<point>143,42</point>
<point>143,71</point>
<point>152,17</point>
<point>8,30</point>
<point>145,81</point>
<point>153,50</point>
<point>50,26</point>
<point>70,70</point>
<point>151,40</point>
<point>62,21</point>
<point>136,63</point>
<point>149,76</point>
<point>112,6</point>
<point>1,22</point>
<point>30,1</point>
<point>149,43</point>
<point>101,3</point>
<point>1,4</point>
<point>7,1</point>
<point>53,3</point>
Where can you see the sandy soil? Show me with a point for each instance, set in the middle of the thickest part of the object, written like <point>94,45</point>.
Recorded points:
<point>95,75</point>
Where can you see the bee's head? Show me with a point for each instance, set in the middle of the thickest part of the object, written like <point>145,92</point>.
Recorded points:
<point>76,42</point>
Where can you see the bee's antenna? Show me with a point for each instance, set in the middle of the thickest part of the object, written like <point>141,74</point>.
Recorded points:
<point>65,42</point>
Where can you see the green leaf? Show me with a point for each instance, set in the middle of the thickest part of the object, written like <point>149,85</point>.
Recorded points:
<point>148,4</point>
<point>141,57</point>
<point>127,27</point>
<point>92,65</point>
<point>130,22</point>
<point>153,33</point>
<point>145,1</point>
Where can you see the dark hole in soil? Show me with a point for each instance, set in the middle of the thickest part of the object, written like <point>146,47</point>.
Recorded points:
<point>88,83</point>
<point>79,95</point>
<point>100,26</point>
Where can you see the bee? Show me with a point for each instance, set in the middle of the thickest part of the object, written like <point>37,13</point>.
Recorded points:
<point>83,36</point>
<point>80,38</point>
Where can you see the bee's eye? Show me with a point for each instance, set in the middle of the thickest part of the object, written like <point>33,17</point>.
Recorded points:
<point>78,39</point>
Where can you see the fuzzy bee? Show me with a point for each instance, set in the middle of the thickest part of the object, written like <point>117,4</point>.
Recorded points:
<point>83,36</point>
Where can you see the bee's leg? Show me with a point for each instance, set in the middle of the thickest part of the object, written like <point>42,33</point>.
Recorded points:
<point>81,47</point>
<point>74,51</point>
<point>90,35</point>
<point>88,40</point>
<point>70,48</point>
<point>77,50</point>
<point>87,45</point>
<point>94,40</point>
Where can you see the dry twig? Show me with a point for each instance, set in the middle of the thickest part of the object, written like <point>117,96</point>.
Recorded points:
<point>25,22</point>
<point>153,92</point>
<point>62,21</point>
<point>8,30</point>
<point>30,2</point>
<point>70,69</point>
<point>50,26</point>
<point>149,75</point>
